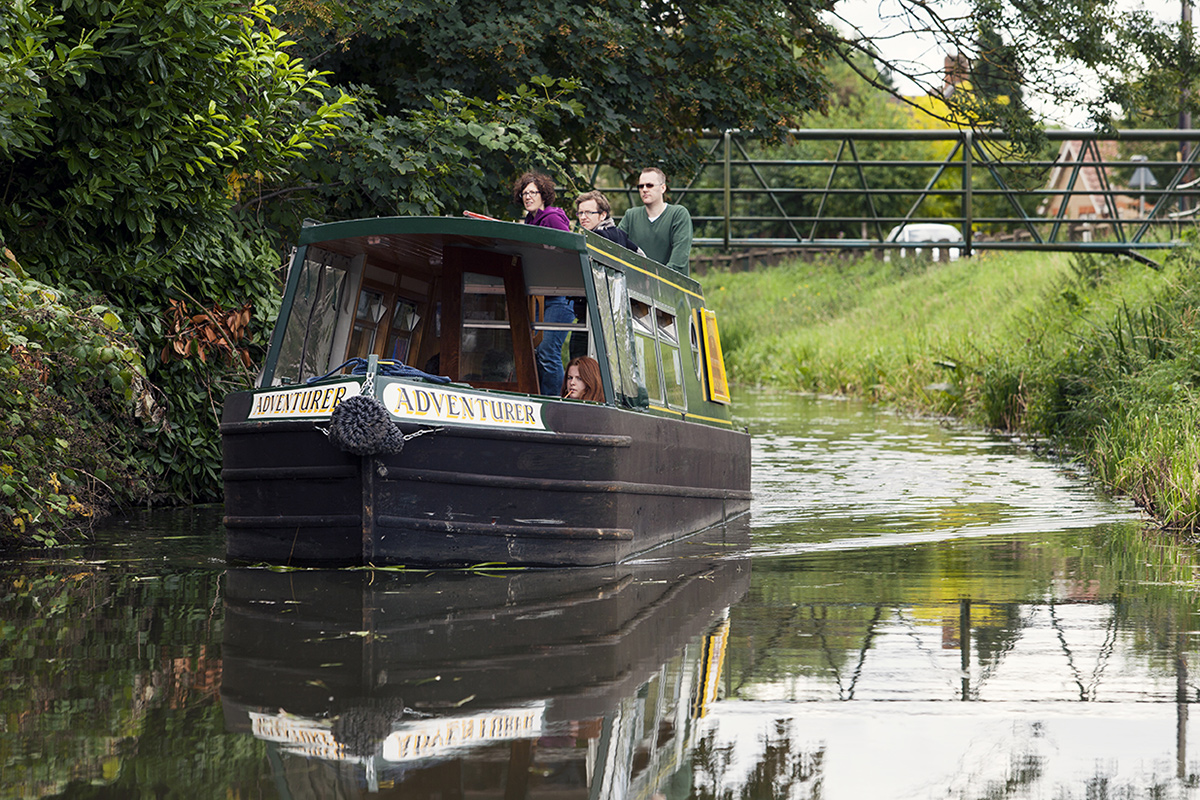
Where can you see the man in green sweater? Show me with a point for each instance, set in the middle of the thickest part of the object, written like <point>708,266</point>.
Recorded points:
<point>663,231</point>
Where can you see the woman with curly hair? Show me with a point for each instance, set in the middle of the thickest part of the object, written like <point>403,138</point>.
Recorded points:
<point>535,192</point>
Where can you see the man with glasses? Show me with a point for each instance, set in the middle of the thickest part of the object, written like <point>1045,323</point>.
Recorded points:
<point>595,213</point>
<point>663,230</point>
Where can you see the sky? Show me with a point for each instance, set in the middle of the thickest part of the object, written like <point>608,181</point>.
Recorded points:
<point>878,19</point>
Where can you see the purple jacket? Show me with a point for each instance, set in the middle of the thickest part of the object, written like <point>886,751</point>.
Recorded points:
<point>552,217</point>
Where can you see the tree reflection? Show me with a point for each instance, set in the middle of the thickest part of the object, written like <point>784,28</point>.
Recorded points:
<point>111,686</point>
<point>778,772</point>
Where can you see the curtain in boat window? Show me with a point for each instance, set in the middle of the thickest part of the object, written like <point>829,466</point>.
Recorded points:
<point>641,314</point>
<point>616,328</point>
<point>312,321</point>
<point>672,365</point>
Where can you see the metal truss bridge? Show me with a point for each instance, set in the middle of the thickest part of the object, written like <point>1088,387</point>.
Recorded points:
<point>1129,192</point>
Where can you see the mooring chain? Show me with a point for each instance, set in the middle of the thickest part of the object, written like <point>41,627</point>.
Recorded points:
<point>423,431</point>
<point>362,425</point>
<point>407,436</point>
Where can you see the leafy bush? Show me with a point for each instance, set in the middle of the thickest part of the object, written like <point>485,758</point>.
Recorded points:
<point>462,153</point>
<point>128,129</point>
<point>72,385</point>
<point>201,329</point>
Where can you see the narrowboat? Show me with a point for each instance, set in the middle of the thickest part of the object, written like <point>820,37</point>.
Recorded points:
<point>397,419</point>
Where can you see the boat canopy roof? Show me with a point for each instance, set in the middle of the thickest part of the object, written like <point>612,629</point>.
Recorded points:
<point>423,240</point>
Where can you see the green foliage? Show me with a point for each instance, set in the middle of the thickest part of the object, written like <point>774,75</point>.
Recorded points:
<point>663,70</point>
<point>28,61</point>
<point>146,117</point>
<point>1164,85</point>
<point>141,141</point>
<point>1125,393</point>
<point>71,383</point>
<point>236,266</point>
<point>460,153</point>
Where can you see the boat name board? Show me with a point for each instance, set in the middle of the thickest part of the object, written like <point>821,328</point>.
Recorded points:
<point>298,735</point>
<point>436,736</point>
<point>313,401</point>
<point>427,404</point>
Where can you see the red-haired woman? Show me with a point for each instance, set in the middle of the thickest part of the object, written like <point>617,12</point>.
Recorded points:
<point>582,381</point>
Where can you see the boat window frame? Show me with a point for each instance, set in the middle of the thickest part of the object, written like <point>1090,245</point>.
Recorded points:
<point>411,336</point>
<point>667,339</point>
<point>382,325</point>
<point>670,335</point>
<point>642,321</point>
<point>649,333</point>
<point>459,260</point>
<point>325,260</point>
<point>610,284</point>
<point>483,284</point>
<point>716,384</point>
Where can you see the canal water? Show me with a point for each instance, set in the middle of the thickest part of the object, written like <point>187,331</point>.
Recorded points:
<point>911,610</point>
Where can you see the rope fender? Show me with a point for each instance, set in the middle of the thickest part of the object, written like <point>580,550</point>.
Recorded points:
<point>362,425</point>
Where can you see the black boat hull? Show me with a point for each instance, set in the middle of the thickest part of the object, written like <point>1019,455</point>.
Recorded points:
<point>600,485</point>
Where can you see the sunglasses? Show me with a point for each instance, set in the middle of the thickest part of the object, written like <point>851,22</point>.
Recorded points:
<point>647,185</point>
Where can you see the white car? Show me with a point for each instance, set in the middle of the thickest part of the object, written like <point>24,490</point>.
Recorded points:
<point>926,232</point>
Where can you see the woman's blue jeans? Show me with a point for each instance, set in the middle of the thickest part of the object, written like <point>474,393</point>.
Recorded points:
<point>549,352</point>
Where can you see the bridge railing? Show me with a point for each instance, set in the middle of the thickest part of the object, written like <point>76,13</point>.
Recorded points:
<point>1129,191</point>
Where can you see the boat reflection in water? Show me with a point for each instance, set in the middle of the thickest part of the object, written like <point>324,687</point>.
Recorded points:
<point>555,683</point>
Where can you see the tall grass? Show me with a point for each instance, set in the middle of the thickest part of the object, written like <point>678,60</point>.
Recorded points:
<point>1098,353</point>
<point>885,331</point>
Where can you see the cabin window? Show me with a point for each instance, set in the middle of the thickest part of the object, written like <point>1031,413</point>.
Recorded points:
<point>486,350</point>
<point>618,337</point>
<point>673,376</point>
<point>639,312</point>
<point>406,317</point>
<point>667,330</point>
<point>645,348</point>
<point>714,361</point>
<point>370,311</point>
<point>323,291</point>
<point>672,366</point>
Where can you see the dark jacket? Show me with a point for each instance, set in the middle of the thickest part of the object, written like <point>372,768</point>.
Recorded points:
<point>610,231</point>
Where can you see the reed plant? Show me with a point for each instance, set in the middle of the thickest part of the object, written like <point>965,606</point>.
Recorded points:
<point>1099,355</point>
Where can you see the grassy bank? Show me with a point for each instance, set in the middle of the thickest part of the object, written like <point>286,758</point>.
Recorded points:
<point>1097,354</point>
